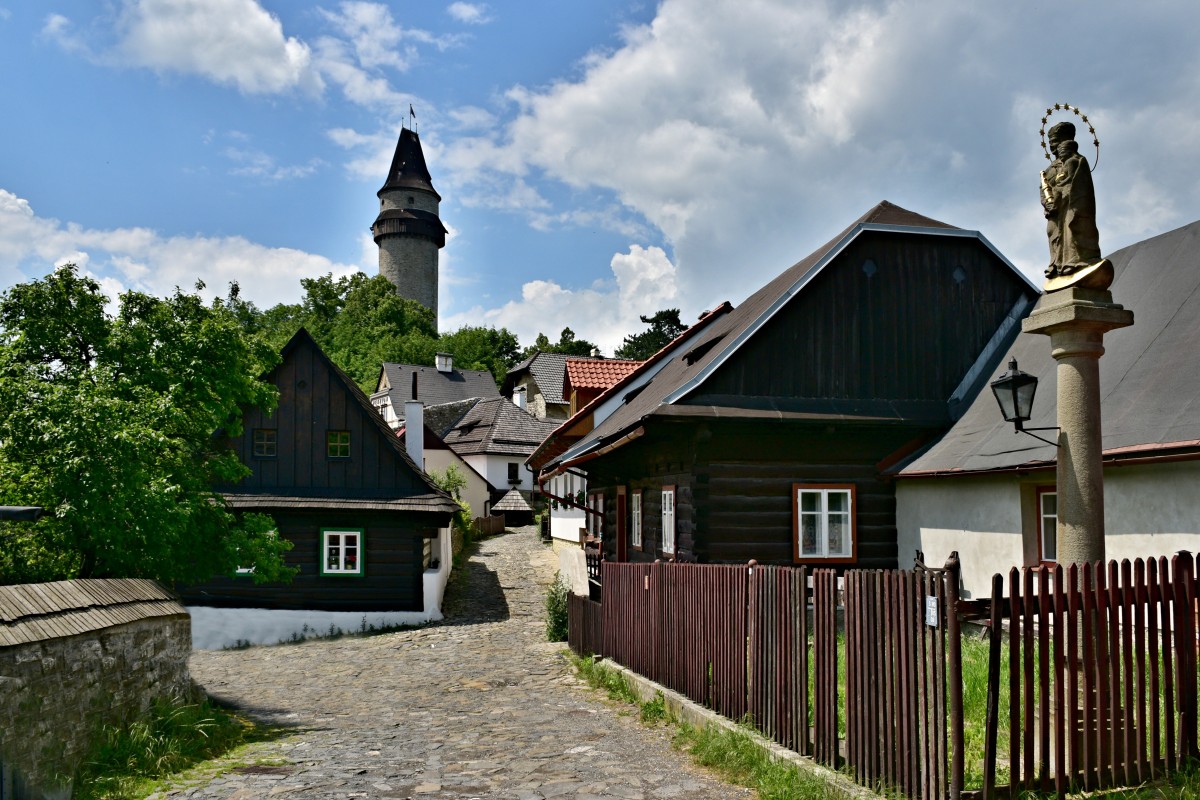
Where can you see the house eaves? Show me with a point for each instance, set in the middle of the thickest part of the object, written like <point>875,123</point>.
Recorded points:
<point>804,280</point>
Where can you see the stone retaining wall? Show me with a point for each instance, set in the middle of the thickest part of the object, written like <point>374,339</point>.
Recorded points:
<point>78,654</point>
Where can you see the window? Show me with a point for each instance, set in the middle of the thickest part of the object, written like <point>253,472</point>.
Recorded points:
<point>824,522</point>
<point>266,442</point>
<point>514,472</point>
<point>337,444</point>
<point>595,522</point>
<point>635,519</point>
<point>1047,506</point>
<point>668,520</point>
<point>341,552</point>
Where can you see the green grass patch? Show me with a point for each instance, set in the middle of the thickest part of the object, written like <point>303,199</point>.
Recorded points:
<point>128,761</point>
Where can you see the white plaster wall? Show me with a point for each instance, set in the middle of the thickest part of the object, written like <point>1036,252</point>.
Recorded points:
<point>980,517</point>
<point>1150,510</point>
<point>495,469</point>
<point>572,568</point>
<point>216,628</point>
<point>476,492</point>
<point>566,521</point>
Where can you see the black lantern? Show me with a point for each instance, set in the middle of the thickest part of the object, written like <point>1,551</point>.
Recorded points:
<point>1014,392</point>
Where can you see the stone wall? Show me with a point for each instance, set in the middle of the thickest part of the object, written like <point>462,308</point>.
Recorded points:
<point>108,664</point>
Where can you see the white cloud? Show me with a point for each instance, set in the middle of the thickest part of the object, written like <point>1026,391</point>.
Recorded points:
<point>644,281</point>
<point>258,164</point>
<point>234,42</point>
<point>142,259</point>
<point>469,13</point>
<point>751,132</point>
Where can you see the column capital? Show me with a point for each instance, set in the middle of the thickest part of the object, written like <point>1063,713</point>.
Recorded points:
<point>1081,311</point>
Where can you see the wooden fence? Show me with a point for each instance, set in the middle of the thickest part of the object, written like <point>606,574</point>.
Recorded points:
<point>1101,682</point>
<point>739,640</point>
<point>1101,675</point>
<point>488,526</point>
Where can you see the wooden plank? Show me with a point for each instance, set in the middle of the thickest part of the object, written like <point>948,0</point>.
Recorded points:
<point>992,721</point>
<point>1090,732</point>
<point>1014,680</point>
<point>1030,726</point>
<point>1045,623</point>
<point>1061,665</point>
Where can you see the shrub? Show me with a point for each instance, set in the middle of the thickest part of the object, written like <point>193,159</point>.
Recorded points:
<point>556,610</point>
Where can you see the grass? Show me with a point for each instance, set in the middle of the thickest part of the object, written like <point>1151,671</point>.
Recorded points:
<point>130,761</point>
<point>736,755</point>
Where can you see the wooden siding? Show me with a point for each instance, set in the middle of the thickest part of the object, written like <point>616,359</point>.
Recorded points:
<point>734,486</point>
<point>312,400</point>
<point>907,332</point>
<point>392,563</point>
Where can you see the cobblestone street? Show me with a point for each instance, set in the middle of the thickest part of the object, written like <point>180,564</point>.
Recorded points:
<point>479,706</point>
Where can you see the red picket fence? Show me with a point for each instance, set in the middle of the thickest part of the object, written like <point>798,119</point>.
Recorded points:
<point>1102,680</point>
<point>738,639</point>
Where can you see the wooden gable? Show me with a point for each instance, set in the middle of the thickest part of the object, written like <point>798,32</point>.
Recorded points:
<point>896,317</point>
<point>315,398</point>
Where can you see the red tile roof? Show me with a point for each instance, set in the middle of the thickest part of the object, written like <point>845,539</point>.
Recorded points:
<point>597,373</point>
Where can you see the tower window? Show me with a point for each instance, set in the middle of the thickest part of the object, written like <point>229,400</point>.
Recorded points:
<point>411,200</point>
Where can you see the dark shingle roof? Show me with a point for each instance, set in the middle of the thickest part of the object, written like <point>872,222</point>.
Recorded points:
<point>441,418</point>
<point>497,427</point>
<point>408,170</point>
<point>37,611</point>
<point>513,500</point>
<point>688,367</point>
<point>1149,387</point>
<point>549,371</point>
<point>433,387</point>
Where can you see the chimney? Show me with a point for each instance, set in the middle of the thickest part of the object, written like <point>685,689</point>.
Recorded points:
<point>444,362</point>
<point>519,396</point>
<point>414,427</point>
<point>596,353</point>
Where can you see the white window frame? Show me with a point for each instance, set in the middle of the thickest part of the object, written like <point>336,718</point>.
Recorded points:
<point>668,520</point>
<point>1042,495</point>
<point>342,545</point>
<point>635,519</point>
<point>596,521</point>
<point>822,515</point>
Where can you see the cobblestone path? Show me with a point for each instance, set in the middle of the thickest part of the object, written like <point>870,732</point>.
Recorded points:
<point>476,707</point>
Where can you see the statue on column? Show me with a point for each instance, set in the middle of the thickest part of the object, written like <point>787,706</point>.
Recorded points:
<point>1069,204</point>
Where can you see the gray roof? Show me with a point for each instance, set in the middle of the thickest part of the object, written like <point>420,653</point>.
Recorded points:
<point>694,361</point>
<point>513,500</point>
<point>441,418</point>
<point>436,503</point>
<point>549,371</point>
<point>433,387</point>
<point>1149,383</point>
<point>37,611</point>
<point>497,427</point>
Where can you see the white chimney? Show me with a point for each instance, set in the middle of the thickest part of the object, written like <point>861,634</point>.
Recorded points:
<point>414,427</point>
<point>519,396</point>
<point>444,362</point>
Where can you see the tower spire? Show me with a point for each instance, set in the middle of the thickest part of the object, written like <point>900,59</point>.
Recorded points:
<point>408,230</point>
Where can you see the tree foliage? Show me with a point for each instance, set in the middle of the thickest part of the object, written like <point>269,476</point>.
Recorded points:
<point>360,322</point>
<point>109,422</point>
<point>567,344</point>
<point>665,326</point>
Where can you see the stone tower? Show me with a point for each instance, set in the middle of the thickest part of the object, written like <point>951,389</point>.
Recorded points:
<point>408,230</point>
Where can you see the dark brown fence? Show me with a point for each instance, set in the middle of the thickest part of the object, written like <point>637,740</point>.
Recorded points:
<point>1101,676</point>
<point>583,624</point>
<point>489,526</point>
<point>739,639</point>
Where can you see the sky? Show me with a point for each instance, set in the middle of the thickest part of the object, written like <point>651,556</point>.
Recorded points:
<point>597,160</point>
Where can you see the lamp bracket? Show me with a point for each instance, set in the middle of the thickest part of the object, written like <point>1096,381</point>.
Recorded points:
<point>1022,429</point>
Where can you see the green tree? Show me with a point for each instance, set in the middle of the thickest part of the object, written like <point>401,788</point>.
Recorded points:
<point>495,350</point>
<point>110,423</point>
<point>664,325</point>
<point>567,344</point>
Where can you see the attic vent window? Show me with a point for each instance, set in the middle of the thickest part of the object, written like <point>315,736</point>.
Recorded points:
<point>869,268</point>
<point>698,352</point>
<point>959,275</point>
<point>633,393</point>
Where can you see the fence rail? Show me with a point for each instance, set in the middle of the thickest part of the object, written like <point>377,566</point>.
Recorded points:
<point>1100,683</point>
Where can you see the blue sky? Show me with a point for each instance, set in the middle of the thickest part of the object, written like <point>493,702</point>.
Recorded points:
<point>597,160</point>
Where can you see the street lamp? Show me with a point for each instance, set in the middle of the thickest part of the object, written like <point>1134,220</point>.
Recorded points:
<point>1014,392</point>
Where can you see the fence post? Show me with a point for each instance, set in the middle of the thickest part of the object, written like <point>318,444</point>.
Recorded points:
<point>993,689</point>
<point>1185,653</point>
<point>954,677</point>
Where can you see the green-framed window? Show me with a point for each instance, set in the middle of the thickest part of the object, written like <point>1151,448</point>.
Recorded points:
<point>337,444</point>
<point>342,551</point>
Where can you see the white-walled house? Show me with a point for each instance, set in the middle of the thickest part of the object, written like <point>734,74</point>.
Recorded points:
<point>495,437</point>
<point>477,493</point>
<point>988,492</point>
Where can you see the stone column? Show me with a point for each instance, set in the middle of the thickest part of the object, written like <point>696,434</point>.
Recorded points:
<point>1076,320</point>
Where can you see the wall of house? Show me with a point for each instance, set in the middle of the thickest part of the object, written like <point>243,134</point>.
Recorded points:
<point>393,561</point>
<point>566,521</point>
<point>476,493</point>
<point>495,469</point>
<point>54,693</point>
<point>1149,510</point>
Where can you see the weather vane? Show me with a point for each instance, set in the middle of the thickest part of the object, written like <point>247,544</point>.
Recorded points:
<point>1069,205</point>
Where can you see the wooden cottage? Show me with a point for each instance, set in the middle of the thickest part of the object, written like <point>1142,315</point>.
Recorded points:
<point>340,486</point>
<point>767,433</point>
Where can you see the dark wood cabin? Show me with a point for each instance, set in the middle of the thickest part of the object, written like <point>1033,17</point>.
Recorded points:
<point>771,430</point>
<point>340,487</point>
